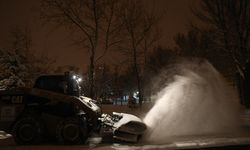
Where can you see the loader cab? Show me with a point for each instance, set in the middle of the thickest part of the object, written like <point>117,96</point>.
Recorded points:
<point>68,84</point>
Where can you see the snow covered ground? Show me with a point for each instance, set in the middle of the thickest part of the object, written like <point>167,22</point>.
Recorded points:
<point>204,142</point>
<point>181,143</point>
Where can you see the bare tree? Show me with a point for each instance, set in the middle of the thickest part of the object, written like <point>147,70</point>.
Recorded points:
<point>92,20</point>
<point>202,43</point>
<point>138,25</point>
<point>230,21</point>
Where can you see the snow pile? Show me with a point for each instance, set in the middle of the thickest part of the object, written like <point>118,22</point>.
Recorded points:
<point>4,135</point>
<point>197,102</point>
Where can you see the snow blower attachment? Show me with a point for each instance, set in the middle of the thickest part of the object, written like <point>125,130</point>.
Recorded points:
<point>55,110</point>
<point>125,127</point>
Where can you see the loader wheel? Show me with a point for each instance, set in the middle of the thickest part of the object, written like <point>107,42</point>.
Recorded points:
<point>27,131</point>
<point>71,131</point>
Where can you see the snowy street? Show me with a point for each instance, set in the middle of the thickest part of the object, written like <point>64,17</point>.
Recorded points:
<point>200,142</point>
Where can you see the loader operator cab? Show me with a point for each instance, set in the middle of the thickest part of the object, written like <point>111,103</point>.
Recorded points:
<point>68,84</point>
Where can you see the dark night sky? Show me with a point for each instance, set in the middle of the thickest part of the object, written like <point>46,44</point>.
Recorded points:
<point>56,42</point>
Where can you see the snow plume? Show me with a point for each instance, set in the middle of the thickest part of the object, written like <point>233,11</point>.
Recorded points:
<point>197,102</point>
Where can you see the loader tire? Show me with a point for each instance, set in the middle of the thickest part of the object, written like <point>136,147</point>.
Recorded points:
<point>27,130</point>
<point>71,131</point>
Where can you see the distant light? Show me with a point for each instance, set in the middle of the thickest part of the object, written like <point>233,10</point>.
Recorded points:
<point>74,76</point>
<point>79,79</point>
<point>135,94</point>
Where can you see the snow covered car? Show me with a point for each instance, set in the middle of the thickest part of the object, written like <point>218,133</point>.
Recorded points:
<point>54,110</point>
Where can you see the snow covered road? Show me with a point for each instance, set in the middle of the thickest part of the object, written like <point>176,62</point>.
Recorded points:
<point>190,142</point>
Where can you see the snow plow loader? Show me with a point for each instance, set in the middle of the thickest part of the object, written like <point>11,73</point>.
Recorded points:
<point>55,110</point>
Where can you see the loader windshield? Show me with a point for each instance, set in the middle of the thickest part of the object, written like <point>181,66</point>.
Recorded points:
<point>68,85</point>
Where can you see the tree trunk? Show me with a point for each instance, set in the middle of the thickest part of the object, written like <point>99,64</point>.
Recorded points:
<point>138,78</point>
<point>139,85</point>
<point>91,76</point>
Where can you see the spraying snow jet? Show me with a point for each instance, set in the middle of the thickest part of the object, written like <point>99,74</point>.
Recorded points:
<point>197,102</point>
